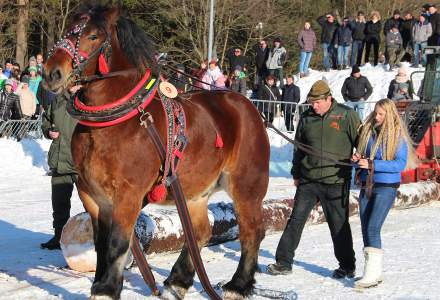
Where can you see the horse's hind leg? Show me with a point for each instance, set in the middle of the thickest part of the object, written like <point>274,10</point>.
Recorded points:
<point>247,188</point>
<point>182,273</point>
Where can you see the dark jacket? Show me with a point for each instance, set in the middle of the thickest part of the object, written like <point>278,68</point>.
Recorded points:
<point>290,93</point>
<point>238,85</point>
<point>235,60</point>
<point>9,106</point>
<point>45,96</point>
<point>181,83</point>
<point>390,23</point>
<point>261,56</point>
<point>56,118</point>
<point>435,23</point>
<point>328,30</point>
<point>372,30</point>
<point>354,88</point>
<point>343,36</point>
<point>334,132</point>
<point>307,40</point>
<point>267,93</point>
<point>358,30</point>
<point>406,30</point>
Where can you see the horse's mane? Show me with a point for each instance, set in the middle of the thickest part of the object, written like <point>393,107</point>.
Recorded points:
<point>137,46</point>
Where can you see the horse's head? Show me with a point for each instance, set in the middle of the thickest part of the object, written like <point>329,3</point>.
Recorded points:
<point>98,40</point>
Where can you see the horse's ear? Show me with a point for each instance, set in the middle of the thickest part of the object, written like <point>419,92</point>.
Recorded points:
<point>112,15</point>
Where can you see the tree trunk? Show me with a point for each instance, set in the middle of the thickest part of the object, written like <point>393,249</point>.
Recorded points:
<point>22,23</point>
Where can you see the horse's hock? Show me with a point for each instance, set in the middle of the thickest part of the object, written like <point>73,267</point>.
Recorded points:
<point>159,229</point>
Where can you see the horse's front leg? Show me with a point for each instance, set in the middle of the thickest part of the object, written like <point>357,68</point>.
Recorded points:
<point>113,242</point>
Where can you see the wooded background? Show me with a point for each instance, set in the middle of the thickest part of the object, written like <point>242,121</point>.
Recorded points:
<point>180,27</point>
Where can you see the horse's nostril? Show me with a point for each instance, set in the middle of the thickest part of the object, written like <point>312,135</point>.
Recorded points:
<point>55,75</point>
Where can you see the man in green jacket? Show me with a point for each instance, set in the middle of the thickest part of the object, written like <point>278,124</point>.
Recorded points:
<point>58,125</point>
<point>328,127</point>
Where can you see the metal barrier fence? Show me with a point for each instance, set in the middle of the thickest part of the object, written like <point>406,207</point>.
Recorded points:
<point>19,129</point>
<point>284,115</point>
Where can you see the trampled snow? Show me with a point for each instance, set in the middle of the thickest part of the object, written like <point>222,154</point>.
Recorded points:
<point>410,237</point>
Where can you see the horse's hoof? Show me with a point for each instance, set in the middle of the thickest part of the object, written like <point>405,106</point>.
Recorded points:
<point>100,297</point>
<point>232,295</point>
<point>173,292</point>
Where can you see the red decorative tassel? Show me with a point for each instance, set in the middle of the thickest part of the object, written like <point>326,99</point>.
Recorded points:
<point>218,141</point>
<point>103,67</point>
<point>158,194</point>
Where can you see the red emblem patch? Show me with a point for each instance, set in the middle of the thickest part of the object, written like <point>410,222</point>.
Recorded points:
<point>335,125</point>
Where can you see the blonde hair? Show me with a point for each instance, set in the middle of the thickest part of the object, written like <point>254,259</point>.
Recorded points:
<point>375,13</point>
<point>392,132</point>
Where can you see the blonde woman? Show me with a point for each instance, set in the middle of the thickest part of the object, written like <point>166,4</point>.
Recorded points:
<point>385,147</point>
<point>373,28</point>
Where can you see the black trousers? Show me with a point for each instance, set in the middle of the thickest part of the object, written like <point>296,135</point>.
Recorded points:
<point>335,204</point>
<point>375,43</point>
<point>62,187</point>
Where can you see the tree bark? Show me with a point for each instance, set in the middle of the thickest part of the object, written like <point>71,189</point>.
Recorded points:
<point>22,23</point>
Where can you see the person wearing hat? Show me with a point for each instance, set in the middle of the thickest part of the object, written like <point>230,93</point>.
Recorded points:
<point>393,47</point>
<point>395,20</point>
<point>276,59</point>
<point>237,81</point>
<point>329,27</point>
<point>326,127</point>
<point>58,125</point>
<point>236,58</point>
<point>28,101</point>
<point>356,90</point>
<point>434,19</point>
<point>401,88</point>
<point>9,102</point>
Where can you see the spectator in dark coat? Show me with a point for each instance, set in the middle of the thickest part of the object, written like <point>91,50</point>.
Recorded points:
<point>343,43</point>
<point>358,35</point>
<point>393,48</point>
<point>406,28</point>
<point>396,20</point>
<point>9,103</point>
<point>261,55</point>
<point>421,32</point>
<point>401,88</point>
<point>356,90</point>
<point>306,42</point>
<point>268,92</point>
<point>329,26</point>
<point>290,93</point>
<point>236,58</point>
<point>372,37</point>
<point>434,19</point>
<point>179,80</point>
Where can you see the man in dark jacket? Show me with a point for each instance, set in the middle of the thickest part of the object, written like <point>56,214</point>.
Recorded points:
<point>358,35</point>
<point>327,127</point>
<point>270,93</point>
<point>58,125</point>
<point>434,18</point>
<point>356,90</point>
<point>396,20</point>
<point>406,28</point>
<point>261,55</point>
<point>343,41</point>
<point>329,26</point>
<point>236,58</point>
<point>291,94</point>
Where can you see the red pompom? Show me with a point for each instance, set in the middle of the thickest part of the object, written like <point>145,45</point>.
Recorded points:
<point>158,194</point>
<point>218,141</point>
<point>103,67</point>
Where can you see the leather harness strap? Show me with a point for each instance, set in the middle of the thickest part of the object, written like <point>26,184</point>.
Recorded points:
<point>190,239</point>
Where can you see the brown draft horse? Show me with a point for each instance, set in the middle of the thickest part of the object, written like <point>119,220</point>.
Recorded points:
<point>118,165</point>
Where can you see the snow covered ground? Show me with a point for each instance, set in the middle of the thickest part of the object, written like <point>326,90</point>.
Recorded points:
<point>411,243</point>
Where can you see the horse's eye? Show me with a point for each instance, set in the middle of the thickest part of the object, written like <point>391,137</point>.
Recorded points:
<point>93,37</point>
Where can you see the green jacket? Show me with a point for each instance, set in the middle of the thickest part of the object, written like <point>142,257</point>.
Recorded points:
<point>335,132</point>
<point>56,118</point>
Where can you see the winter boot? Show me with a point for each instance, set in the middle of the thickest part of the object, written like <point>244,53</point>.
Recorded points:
<point>373,268</point>
<point>279,269</point>
<point>54,242</point>
<point>342,273</point>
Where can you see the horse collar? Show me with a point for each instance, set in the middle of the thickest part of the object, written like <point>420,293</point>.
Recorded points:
<point>118,111</point>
